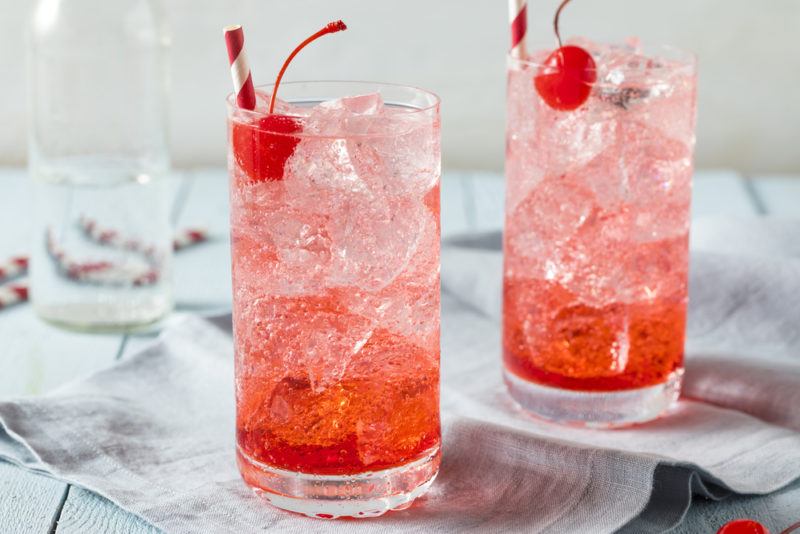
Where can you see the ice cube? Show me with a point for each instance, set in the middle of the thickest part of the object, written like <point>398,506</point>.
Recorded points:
<point>659,171</point>
<point>551,214</point>
<point>368,104</point>
<point>373,244</point>
<point>400,157</point>
<point>408,306</point>
<point>320,175</point>
<point>567,141</point>
<point>286,108</point>
<point>262,102</point>
<point>369,189</point>
<point>282,107</point>
<point>315,334</point>
<point>354,115</point>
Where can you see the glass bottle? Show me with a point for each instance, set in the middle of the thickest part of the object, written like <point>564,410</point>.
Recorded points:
<point>98,158</point>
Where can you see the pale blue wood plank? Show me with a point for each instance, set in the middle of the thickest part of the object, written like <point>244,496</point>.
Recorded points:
<point>15,220</point>
<point>136,344</point>
<point>29,502</point>
<point>180,188</point>
<point>780,194</point>
<point>206,202</point>
<point>85,512</point>
<point>456,196</point>
<point>720,193</point>
<point>38,358</point>
<point>36,355</point>
<point>489,195</point>
<point>203,272</point>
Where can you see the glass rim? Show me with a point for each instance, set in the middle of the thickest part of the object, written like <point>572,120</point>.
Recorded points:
<point>681,58</point>
<point>435,100</point>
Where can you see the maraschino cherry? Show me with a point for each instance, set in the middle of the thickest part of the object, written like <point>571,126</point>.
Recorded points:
<point>565,80</point>
<point>743,526</point>
<point>262,150</point>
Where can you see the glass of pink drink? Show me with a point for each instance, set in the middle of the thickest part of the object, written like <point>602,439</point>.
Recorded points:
<point>596,237</point>
<point>335,250</point>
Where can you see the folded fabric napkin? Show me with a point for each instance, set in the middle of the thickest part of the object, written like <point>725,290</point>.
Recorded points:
<point>155,433</point>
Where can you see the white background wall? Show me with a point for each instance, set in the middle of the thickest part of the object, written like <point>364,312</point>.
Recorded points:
<point>749,63</point>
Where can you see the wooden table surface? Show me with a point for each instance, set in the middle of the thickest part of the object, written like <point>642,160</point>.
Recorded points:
<point>36,357</point>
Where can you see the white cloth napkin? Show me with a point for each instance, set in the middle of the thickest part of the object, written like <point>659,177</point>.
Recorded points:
<point>155,433</point>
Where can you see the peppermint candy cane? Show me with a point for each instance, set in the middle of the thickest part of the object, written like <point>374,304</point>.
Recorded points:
<point>103,273</point>
<point>13,267</point>
<point>11,294</point>
<point>105,236</point>
<point>188,237</point>
<point>17,266</point>
<point>89,272</point>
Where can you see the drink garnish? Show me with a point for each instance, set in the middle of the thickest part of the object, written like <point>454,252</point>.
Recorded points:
<point>743,526</point>
<point>261,150</point>
<point>331,27</point>
<point>565,80</point>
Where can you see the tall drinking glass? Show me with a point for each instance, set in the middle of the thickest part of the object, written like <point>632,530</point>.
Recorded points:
<point>335,250</point>
<point>596,239</point>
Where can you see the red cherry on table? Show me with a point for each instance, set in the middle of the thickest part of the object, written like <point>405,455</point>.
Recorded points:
<point>743,526</point>
<point>261,149</point>
<point>565,80</point>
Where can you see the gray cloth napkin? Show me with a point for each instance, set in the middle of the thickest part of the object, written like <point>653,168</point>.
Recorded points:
<point>155,433</point>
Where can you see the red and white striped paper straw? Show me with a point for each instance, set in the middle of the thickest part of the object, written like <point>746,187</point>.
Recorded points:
<point>13,267</point>
<point>518,20</point>
<point>240,68</point>
<point>11,294</point>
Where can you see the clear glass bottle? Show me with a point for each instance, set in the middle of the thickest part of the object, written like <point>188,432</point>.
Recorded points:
<point>99,161</point>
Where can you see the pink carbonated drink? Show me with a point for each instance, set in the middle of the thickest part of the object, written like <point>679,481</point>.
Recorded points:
<point>335,250</point>
<point>596,242</point>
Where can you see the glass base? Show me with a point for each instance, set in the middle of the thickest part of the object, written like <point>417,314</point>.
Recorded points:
<point>331,496</point>
<point>105,318</point>
<point>595,409</point>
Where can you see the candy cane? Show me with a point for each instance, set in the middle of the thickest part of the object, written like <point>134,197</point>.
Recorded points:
<point>112,238</point>
<point>105,236</point>
<point>11,294</point>
<point>18,266</point>
<point>188,237</point>
<point>103,273</point>
<point>13,268</point>
<point>240,69</point>
<point>99,272</point>
<point>518,19</point>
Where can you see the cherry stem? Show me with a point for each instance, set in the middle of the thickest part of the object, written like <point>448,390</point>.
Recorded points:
<point>331,27</point>
<point>555,21</point>
<point>791,528</point>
